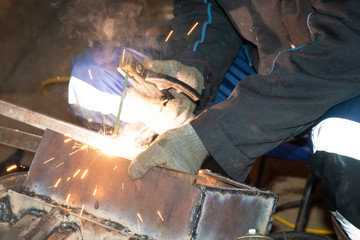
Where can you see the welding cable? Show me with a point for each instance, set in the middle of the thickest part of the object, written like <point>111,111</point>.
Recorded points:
<point>309,230</point>
<point>52,81</point>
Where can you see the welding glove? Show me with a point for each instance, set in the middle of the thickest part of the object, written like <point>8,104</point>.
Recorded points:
<point>158,115</point>
<point>186,74</point>
<point>179,149</point>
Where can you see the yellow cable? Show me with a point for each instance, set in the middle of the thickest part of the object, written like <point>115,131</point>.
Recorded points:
<point>310,230</point>
<point>51,81</point>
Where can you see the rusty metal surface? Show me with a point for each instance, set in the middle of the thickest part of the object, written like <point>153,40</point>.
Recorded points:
<point>18,139</point>
<point>34,219</point>
<point>163,204</point>
<point>12,181</point>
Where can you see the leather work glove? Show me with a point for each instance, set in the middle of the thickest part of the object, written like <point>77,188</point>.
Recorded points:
<point>158,115</point>
<point>179,149</point>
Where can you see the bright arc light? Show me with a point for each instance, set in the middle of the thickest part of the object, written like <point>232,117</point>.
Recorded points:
<point>123,146</point>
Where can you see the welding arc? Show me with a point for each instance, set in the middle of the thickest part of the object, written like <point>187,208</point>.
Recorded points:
<point>121,104</point>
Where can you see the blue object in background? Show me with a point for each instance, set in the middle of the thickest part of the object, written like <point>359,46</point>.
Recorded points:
<point>240,69</point>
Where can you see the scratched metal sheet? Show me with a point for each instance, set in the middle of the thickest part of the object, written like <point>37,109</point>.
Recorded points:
<point>228,212</point>
<point>163,204</point>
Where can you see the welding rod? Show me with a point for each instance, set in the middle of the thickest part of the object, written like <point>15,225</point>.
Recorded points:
<point>42,121</point>
<point>116,127</point>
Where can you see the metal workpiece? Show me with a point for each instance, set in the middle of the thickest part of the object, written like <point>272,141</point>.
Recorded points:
<point>164,204</point>
<point>42,121</point>
<point>34,219</point>
<point>18,139</point>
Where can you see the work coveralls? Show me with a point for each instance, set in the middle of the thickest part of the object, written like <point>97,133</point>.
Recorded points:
<point>306,53</point>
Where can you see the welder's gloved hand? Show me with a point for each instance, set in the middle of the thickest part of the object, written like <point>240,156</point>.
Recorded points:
<point>158,116</point>
<point>186,74</point>
<point>180,149</point>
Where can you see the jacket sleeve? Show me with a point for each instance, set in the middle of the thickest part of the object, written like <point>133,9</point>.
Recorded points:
<point>210,47</point>
<point>265,110</point>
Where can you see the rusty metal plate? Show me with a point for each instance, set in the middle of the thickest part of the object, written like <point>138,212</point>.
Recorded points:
<point>163,204</point>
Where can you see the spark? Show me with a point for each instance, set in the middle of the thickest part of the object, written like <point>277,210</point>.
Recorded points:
<point>89,120</point>
<point>138,225</point>
<point>57,183</point>
<point>49,160</point>
<point>68,197</point>
<point>68,179</point>
<point>12,167</point>
<point>192,28</point>
<point>90,74</point>
<point>123,186</point>
<point>82,177</point>
<point>138,214</point>
<point>160,215</point>
<point>74,152</point>
<point>98,154</point>
<point>115,167</point>
<point>59,165</point>
<point>76,173</point>
<point>67,140</point>
<point>82,148</point>
<point>167,38</point>
<point>95,190</point>
<point>123,56</point>
<point>82,209</point>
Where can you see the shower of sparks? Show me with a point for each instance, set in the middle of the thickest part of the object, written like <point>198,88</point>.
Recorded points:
<point>138,214</point>
<point>82,209</point>
<point>57,183</point>
<point>192,28</point>
<point>68,179</point>
<point>95,191</point>
<point>12,167</point>
<point>68,197</point>
<point>48,160</point>
<point>167,38</point>
<point>160,215</point>
<point>115,167</point>
<point>82,177</point>
<point>59,165</point>
<point>76,173</point>
<point>90,74</point>
<point>123,55</point>
<point>67,140</point>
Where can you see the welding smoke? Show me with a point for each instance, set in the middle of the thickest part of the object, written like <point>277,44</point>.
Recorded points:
<point>105,21</point>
